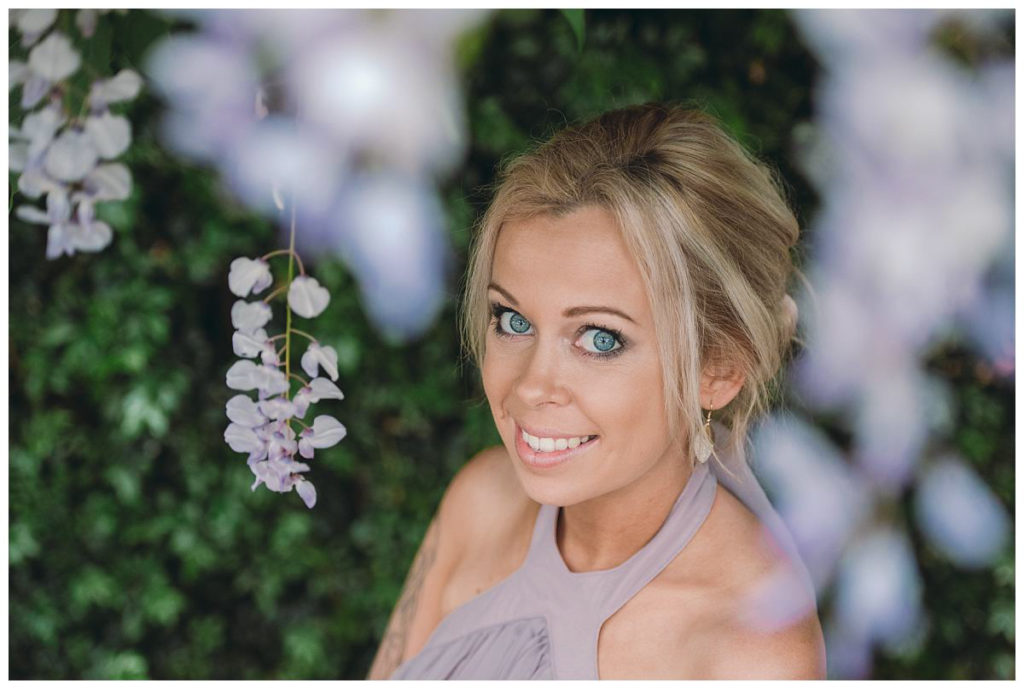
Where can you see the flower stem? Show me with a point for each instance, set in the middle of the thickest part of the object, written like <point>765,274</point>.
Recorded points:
<point>300,423</point>
<point>292,254</point>
<point>305,335</point>
<point>299,378</point>
<point>269,297</point>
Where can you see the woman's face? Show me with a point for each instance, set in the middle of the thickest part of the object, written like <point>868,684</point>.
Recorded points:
<point>571,353</point>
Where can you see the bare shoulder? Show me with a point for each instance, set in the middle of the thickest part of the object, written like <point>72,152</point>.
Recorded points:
<point>481,497</point>
<point>731,645</point>
<point>478,501</point>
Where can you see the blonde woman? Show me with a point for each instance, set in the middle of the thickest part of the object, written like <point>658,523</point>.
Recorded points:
<point>626,297</point>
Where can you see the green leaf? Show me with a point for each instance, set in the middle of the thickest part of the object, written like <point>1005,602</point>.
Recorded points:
<point>578,24</point>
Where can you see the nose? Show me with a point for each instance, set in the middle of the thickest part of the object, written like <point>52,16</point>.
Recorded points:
<point>541,381</point>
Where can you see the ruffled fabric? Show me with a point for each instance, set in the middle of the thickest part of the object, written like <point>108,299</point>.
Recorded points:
<point>520,649</point>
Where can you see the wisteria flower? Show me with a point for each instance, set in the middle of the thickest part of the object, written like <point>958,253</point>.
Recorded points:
<point>124,85</point>
<point>325,432</point>
<point>71,156</point>
<point>318,389</point>
<point>50,61</point>
<point>242,410</point>
<point>307,298</point>
<point>320,357</point>
<point>248,316</point>
<point>277,408</point>
<point>111,134</point>
<point>252,344</point>
<point>249,275</point>
<point>245,375</point>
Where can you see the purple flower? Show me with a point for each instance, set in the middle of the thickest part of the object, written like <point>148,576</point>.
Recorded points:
<point>326,432</point>
<point>245,375</point>
<point>960,515</point>
<point>242,410</point>
<point>320,357</point>
<point>249,316</point>
<point>249,275</point>
<point>307,298</point>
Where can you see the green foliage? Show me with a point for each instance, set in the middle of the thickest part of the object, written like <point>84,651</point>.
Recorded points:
<point>136,549</point>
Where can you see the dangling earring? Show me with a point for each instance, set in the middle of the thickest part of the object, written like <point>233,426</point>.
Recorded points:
<point>704,444</point>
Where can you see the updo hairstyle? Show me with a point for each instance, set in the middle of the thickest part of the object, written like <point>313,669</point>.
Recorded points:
<point>710,232</point>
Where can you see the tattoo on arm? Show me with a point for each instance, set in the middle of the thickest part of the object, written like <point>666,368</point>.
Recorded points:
<point>392,647</point>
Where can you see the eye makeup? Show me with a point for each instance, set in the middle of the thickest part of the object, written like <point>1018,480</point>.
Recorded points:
<point>498,310</point>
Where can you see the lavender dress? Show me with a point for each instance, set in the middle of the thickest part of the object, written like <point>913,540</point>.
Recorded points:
<point>543,621</point>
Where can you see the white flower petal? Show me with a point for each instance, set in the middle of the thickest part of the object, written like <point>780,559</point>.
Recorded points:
<point>33,215</point>
<point>34,182</point>
<point>35,89</point>
<point>109,182</point>
<point>111,134</point>
<point>319,356</point>
<point>71,156</point>
<point>40,127</point>
<point>277,408</point>
<point>93,236</point>
<point>123,86</point>
<point>248,316</point>
<point>54,58</point>
<point>307,298</point>
<point>247,275</point>
<point>243,375</point>
<point>324,389</point>
<point>960,515</point>
<point>36,21</point>
<point>271,381</point>
<point>58,208</point>
<point>242,439</point>
<point>58,242</point>
<point>242,410</point>
<point>249,344</point>
<point>307,492</point>
<point>327,431</point>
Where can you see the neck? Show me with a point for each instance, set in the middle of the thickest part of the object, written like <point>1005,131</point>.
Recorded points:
<point>605,531</point>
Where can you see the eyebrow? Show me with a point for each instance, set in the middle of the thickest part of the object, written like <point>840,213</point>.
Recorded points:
<point>568,313</point>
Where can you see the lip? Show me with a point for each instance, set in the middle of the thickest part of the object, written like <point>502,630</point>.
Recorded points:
<point>546,460</point>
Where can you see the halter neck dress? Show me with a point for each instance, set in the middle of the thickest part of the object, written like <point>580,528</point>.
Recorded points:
<point>543,620</point>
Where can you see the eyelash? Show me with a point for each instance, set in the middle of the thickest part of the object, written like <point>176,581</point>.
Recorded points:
<point>498,309</point>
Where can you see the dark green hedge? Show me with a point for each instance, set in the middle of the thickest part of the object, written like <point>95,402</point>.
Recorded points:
<point>136,547</point>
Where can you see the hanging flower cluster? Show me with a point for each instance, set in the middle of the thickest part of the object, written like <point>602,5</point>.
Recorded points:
<point>262,428</point>
<point>355,112</point>
<point>62,155</point>
<point>913,157</point>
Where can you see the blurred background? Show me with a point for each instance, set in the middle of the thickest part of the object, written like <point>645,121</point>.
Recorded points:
<point>136,549</point>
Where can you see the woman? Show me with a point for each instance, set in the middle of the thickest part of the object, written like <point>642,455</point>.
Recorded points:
<point>628,283</point>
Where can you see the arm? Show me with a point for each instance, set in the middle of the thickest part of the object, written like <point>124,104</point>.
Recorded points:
<point>403,620</point>
<point>797,652</point>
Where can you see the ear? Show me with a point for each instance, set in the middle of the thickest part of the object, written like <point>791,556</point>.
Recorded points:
<point>719,385</point>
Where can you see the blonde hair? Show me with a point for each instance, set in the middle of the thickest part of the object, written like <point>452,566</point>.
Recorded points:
<point>707,225</point>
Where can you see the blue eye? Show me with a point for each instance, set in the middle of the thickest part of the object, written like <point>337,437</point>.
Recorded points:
<point>512,322</point>
<point>599,341</point>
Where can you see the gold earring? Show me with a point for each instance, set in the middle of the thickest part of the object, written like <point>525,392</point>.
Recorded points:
<point>704,444</point>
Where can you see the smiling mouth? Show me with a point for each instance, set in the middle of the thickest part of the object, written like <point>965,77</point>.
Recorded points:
<point>546,445</point>
<point>541,452</point>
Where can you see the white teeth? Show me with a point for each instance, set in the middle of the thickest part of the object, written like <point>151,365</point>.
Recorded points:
<point>552,444</point>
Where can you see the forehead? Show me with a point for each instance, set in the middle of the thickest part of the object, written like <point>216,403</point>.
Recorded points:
<point>569,260</point>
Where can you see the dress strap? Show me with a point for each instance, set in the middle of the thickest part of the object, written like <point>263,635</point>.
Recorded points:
<point>687,515</point>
